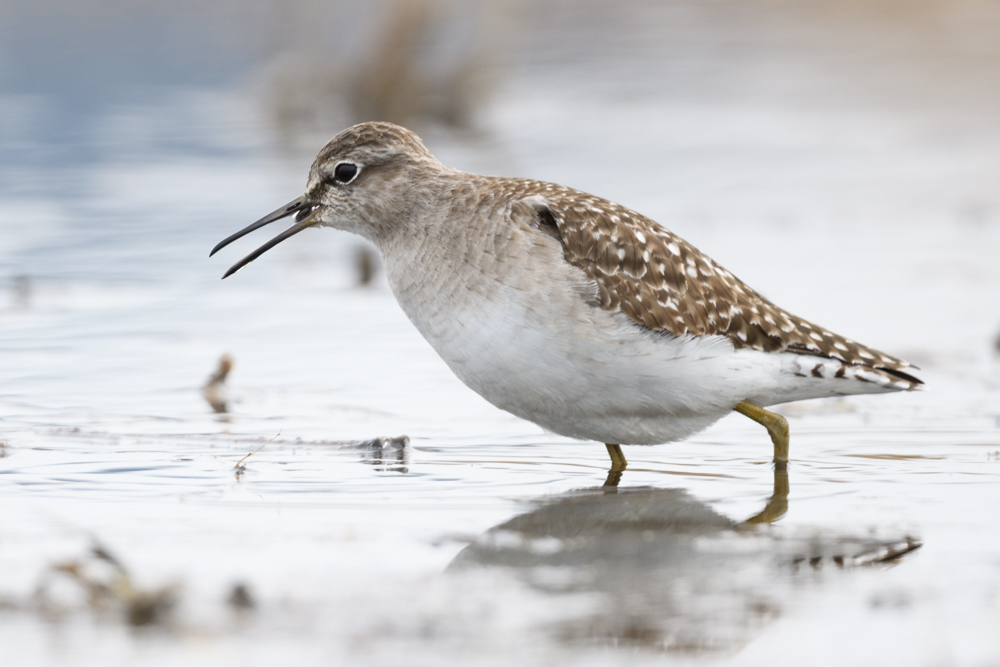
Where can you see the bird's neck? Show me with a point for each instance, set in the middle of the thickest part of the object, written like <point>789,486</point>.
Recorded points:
<point>436,262</point>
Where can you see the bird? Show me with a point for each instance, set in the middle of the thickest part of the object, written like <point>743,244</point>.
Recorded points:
<point>568,310</point>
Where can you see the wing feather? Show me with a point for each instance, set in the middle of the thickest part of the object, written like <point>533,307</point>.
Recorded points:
<point>665,284</point>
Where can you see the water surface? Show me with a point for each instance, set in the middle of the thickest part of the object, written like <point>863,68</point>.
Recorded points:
<point>480,539</point>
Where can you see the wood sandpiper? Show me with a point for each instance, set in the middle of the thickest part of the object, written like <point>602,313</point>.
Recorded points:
<point>569,310</point>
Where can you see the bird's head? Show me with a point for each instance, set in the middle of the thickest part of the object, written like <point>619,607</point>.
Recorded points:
<point>362,181</point>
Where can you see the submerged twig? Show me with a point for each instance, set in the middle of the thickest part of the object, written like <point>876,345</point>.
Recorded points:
<point>239,467</point>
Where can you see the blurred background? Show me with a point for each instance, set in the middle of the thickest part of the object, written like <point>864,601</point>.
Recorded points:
<point>843,158</point>
<point>133,132</point>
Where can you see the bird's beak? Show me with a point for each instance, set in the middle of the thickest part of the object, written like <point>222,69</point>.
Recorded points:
<point>306,215</point>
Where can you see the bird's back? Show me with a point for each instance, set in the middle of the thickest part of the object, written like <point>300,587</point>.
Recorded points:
<point>665,284</point>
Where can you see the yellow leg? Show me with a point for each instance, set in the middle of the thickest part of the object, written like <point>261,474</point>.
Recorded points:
<point>776,427</point>
<point>618,464</point>
<point>778,504</point>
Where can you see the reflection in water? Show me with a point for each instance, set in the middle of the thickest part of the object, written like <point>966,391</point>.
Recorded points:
<point>777,505</point>
<point>387,454</point>
<point>673,573</point>
<point>618,465</point>
<point>214,390</point>
<point>774,510</point>
<point>133,138</point>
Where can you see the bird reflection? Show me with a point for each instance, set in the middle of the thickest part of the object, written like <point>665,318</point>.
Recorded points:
<point>777,505</point>
<point>673,574</point>
<point>774,510</point>
<point>214,389</point>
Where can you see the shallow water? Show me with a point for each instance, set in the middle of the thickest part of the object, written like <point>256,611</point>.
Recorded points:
<point>481,539</point>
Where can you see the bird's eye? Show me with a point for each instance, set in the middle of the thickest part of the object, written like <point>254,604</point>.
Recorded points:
<point>345,172</point>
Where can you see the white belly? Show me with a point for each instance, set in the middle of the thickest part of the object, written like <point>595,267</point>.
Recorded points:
<point>616,385</point>
<point>514,325</point>
<point>539,351</point>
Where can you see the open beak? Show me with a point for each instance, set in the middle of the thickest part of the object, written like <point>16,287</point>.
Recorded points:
<point>306,215</point>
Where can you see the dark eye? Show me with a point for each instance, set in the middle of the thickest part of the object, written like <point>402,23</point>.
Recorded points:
<point>345,172</point>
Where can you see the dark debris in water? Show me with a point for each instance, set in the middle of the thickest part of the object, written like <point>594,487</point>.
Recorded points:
<point>99,583</point>
<point>107,588</point>
<point>366,265</point>
<point>239,597</point>
<point>214,389</point>
<point>387,454</point>
<point>896,457</point>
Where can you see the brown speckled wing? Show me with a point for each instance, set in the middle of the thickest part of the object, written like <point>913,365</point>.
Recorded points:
<point>662,282</point>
